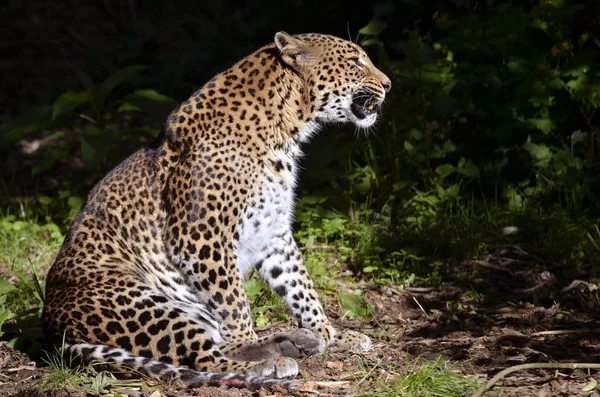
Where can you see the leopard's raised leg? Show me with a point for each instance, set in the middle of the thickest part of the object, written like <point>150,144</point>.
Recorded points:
<point>285,272</point>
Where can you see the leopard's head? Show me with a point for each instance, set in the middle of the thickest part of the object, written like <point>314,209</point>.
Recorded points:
<point>343,83</point>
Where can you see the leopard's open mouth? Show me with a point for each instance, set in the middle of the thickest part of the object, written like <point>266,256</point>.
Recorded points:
<point>365,104</point>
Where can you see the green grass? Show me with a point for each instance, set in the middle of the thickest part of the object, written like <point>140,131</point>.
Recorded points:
<point>428,251</point>
<point>423,378</point>
<point>28,244</point>
<point>32,232</point>
<point>267,306</point>
<point>65,372</point>
<point>25,240</point>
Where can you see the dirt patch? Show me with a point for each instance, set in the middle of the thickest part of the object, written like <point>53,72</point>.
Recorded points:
<point>484,335</point>
<point>214,391</point>
<point>17,371</point>
<point>479,337</point>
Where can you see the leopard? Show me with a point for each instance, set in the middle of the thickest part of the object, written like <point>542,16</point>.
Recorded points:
<point>150,275</point>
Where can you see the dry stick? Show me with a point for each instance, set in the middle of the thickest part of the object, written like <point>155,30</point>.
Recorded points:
<point>561,332</point>
<point>421,307</point>
<point>491,266</point>
<point>369,373</point>
<point>22,367</point>
<point>421,290</point>
<point>510,370</point>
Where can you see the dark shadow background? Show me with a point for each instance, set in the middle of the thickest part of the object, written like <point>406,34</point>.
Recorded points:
<point>183,43</point>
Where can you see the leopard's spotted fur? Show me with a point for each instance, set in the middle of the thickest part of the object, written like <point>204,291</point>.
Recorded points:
<point>150,273</point>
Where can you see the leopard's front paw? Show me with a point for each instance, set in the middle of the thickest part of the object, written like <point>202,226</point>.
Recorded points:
<point>351,340</point>
<point>327,335</point>
<point>345,340</point>
<point>283,367</point>
<point>297,342</point>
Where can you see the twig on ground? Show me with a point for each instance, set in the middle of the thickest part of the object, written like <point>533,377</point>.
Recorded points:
<point>369,373</point>
<point>530,350</point>
<point>508,261</point>
<point>491,266</point>
<point>525,253</point>
<point>575,284</point>
<point>528,291</point>
<point>332,388</point>
<point>421,307</point>
<point>522,367</point>
<point>351,375</point>
<point>561,332</point>
<point>22,368</point>
<point>421,290</point>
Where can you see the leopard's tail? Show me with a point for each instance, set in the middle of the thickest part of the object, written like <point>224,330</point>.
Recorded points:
<point>122,360</point>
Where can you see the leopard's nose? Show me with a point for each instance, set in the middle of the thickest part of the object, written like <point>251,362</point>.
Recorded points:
<point>387,85</point>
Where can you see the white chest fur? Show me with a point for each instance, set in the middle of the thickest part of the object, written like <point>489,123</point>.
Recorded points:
<point>270,213</point>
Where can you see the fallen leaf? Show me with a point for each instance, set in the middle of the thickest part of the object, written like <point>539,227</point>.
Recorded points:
<point>590,386</point>
<point>279,389</point>
<point>335,365</point>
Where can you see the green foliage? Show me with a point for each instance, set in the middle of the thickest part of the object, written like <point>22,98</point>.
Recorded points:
<point>501,125</point>
<point>267,306</point>
<point>5,312</point>
<point>319,230</point>
<point>21,304</point>
<point>355,305</point>
<point>66,372</point>
<point>26,240</point>
<point>491,121</point>
<point>97,109</point>
<point>29,241</point>
<point>594,238</point>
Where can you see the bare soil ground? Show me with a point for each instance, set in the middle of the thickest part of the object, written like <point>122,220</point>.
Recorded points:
<point>479,339</point>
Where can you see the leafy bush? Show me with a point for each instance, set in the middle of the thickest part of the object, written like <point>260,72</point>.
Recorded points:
<point>499,102</point>
<point>491,122</point>
<point>94,106</point>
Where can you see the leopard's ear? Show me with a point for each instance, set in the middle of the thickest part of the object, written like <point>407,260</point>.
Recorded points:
<point>293,51</point>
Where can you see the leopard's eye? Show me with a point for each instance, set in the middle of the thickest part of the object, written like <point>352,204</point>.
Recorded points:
<point>357,61</point>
